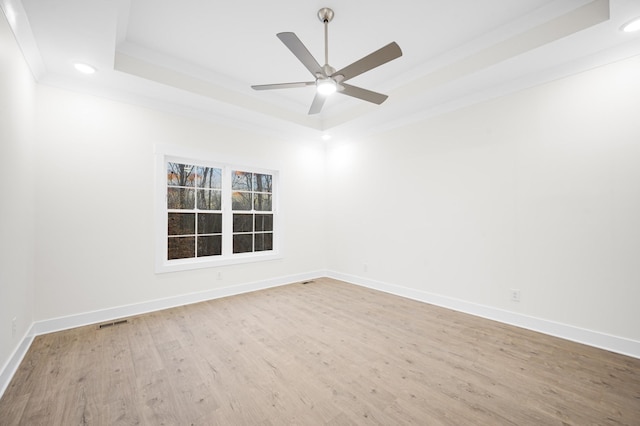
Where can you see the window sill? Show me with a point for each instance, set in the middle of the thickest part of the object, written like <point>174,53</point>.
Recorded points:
<point>189,264</point>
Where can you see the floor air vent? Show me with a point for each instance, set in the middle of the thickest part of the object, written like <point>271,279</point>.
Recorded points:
<point>111,324</point>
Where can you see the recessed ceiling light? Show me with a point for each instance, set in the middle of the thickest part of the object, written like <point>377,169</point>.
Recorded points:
<point>631,26</point>
<point>326,137</point>
<point>84,68</point>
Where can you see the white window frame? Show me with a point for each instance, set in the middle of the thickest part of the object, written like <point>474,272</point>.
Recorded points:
<point>162,263</point>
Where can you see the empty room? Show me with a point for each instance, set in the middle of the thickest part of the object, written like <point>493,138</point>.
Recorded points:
<point>320,213</point>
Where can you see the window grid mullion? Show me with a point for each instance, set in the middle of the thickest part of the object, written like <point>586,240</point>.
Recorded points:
<point>192,171</point>
<point>227,213</point>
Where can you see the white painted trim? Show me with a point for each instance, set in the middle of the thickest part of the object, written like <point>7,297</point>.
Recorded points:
<point>19,23</point>
<point>596,339</point>
<point>11,366</point>
<point>110,314</point>
<point>588,337</point>
<point>162,264</point>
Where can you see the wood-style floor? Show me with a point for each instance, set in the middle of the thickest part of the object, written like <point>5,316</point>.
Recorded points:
<point>324,353</point>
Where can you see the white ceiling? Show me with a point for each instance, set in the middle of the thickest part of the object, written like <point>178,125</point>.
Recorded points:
<point>200,57</point>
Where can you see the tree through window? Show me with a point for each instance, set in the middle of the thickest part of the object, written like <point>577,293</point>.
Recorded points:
<point>194,211</point>
<point>216,214</point>
<point>252,205</point>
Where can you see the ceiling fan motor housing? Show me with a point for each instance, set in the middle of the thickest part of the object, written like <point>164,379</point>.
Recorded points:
<point>327,79</point>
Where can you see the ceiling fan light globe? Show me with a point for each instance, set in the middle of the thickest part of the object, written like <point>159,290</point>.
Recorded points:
<point>326,86</point>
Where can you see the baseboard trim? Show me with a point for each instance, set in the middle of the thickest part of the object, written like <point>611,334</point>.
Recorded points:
<point>596,339</point>
<point>88,318</point>
<point>12,364</point>
<point>608,342</point>
<point>110,314</point>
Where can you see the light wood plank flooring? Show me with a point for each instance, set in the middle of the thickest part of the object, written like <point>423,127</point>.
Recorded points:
<point>324,353</point>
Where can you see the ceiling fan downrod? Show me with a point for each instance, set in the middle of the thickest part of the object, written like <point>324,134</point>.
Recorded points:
<point>327,79</point>
<point>326,15</point>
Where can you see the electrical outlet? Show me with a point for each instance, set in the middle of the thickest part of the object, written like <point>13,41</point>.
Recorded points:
<point>365,267</point>
<point>219,275</point>
<point>515,295</point>
<point>14,326</point>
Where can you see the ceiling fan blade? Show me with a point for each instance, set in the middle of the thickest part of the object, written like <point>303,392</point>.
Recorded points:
<point>297,48</point>
<point>316,105</point>
<point>381,56</point>
<point>283,85</point>
<point>364,94</point>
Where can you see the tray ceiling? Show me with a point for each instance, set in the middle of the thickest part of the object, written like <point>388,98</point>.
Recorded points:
<point>200,57</point>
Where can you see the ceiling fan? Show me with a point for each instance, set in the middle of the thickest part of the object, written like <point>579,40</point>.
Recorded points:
<point>327,79</point>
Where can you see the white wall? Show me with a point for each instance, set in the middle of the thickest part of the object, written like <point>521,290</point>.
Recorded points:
<point>17,96</point>
<point>77,214</point>
<point>95,198</point>
<point>537,191</point>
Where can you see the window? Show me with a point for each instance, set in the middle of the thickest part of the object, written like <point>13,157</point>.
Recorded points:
<point>251,203</point>
<point>194,211</point>
<point>214,214</point>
